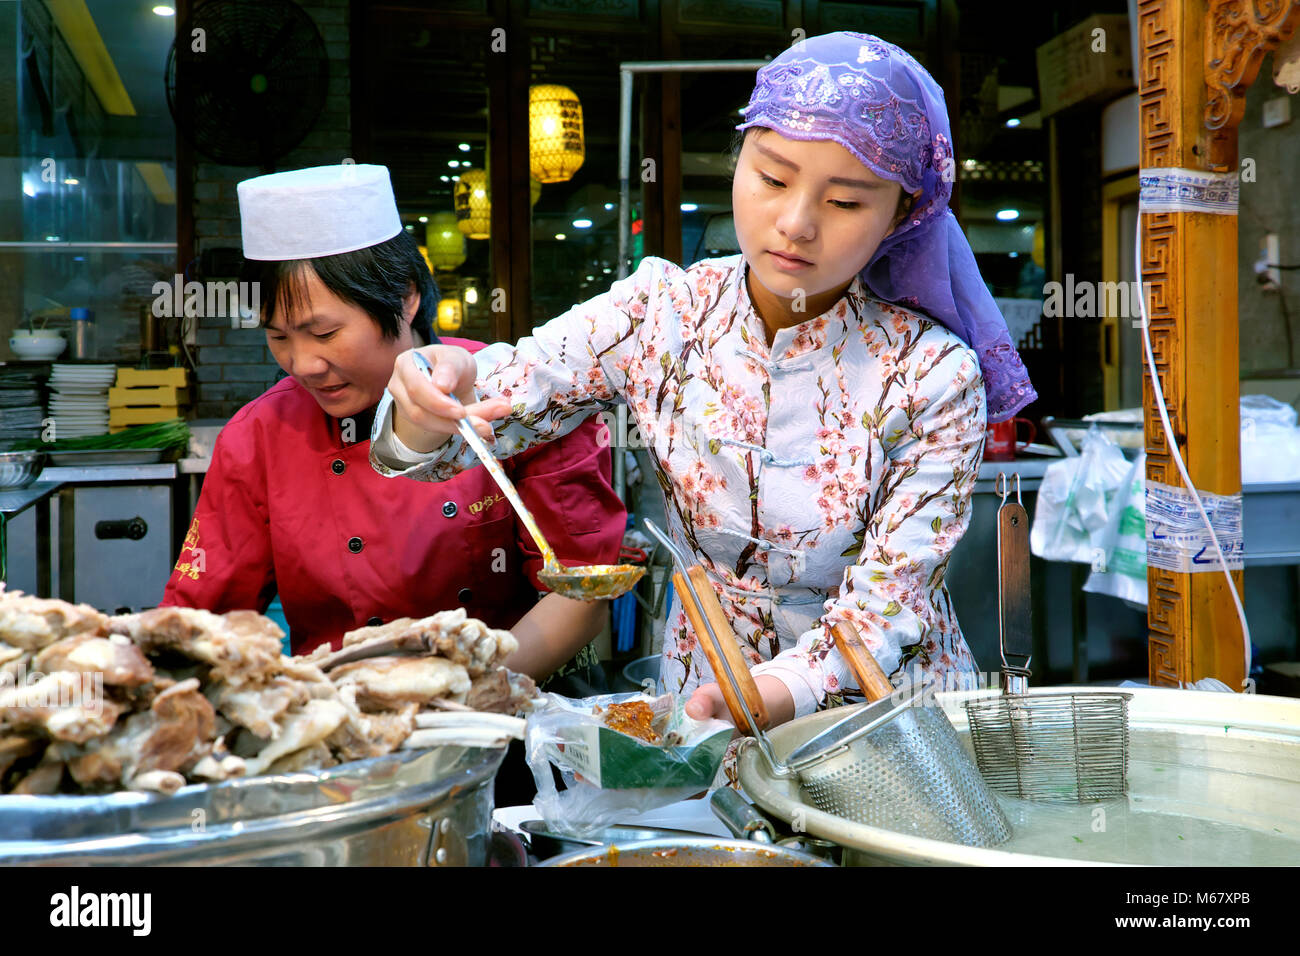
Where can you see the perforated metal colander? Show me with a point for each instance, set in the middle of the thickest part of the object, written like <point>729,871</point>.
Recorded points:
<point>900,766</point>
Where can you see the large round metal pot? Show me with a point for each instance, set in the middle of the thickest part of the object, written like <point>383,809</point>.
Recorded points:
<point>1223,763</point>
<point>694,851</point>
<point>411,808</point>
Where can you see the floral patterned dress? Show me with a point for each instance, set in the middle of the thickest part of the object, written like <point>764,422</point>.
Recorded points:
<point>825,477</point>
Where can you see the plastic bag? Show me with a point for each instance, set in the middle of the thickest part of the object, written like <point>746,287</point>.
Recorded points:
<point>608,776</point>
<point>1270,440</point>
<point>1119,562</point>
<point>1074,500</point>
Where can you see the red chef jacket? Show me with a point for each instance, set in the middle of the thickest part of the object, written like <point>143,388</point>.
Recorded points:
<point>289,506</point>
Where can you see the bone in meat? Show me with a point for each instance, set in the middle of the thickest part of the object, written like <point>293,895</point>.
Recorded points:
<point>14,748</point>
<point>10,653</point>
<point>31,623</point>
<point>371,735</point>
<point>115,657</point>
<point>175,732</point>
<point>43,780</point>
<point>258,707</point>
<point>238,649</point>
<point>316,721</point>
<point>65,705</point>
<point>384,683</point>
<point>157,781</point>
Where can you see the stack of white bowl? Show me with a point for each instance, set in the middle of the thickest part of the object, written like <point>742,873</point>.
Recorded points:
<point>79,399</point>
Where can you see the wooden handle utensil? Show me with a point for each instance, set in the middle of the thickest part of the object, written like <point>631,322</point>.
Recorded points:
<point>875,685</point>
<point>738,699</point>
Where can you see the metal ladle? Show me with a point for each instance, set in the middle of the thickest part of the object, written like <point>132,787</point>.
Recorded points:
<point>591,582</point>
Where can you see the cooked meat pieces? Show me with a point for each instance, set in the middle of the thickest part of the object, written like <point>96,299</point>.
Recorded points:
<point>240,646</point>
<point>175,732</point>
<point>119,660</point>
<point>449,634</point>
<point>258,706</point>
<point>361,736</point>
<point>14,748</point>
<point>31,623</point>
<point>501,691</point>
<point>384,683</point>
<point>65,705</point>
<point>316,721</point>
<point>157,781</point>
<point>315,757</point>
<point>10,653</point>
<point>43,780</point>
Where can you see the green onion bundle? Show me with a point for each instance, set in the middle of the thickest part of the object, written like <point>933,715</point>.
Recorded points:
<point>169,434</point>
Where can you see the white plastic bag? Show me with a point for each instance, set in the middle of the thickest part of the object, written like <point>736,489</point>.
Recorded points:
<point>1074,500</point>
<point>1119,563</point>
<point>1270,440</point>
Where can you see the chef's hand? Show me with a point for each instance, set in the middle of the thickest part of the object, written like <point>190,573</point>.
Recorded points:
<point>707,702</point>
<point>425,410</point>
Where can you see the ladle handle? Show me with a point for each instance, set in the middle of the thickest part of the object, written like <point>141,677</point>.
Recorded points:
<point>873,681</point>
<point>739,700</point>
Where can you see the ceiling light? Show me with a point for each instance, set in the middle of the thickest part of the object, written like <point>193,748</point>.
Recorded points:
<point>582,224</point>
<point>70,181</point>
<point>609,206</point>
<point>164,11</point>
<point>464,147</point>
<point>424,219</point>
<point>1013,123</point>
<point>689,207</point>
<point>559,235</point>
<point>1008,215</point>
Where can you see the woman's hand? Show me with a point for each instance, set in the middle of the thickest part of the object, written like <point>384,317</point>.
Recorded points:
<point>707,702</point>
<point>426,409</point>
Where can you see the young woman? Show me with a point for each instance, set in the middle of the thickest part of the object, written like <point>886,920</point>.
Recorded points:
<point>814,407</point>
<point>289,505</point>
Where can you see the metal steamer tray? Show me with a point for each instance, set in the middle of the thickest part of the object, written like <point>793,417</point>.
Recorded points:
<point>409,808</point>
<point>88,457</point>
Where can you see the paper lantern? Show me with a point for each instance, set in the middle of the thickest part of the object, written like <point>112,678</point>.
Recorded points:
<point>534,191</point>
<point>473,207</point>
<point>445,241</point>
<point>555,143</point>
<point>450,314</point>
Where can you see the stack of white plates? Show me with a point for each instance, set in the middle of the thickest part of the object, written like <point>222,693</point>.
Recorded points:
<point>79,399</point>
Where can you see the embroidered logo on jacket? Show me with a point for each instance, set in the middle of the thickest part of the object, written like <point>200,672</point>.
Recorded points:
<point>197,564</point>
<point>485,503</point>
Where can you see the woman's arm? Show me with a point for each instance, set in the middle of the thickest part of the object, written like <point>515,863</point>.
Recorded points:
<point>920,511</point>
<point>550,381</point>
<point>552,632</point>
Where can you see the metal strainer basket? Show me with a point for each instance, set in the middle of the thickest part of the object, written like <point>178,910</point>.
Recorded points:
<point>1070,747</point>
<point>889,764</point>
<point>900,766</point>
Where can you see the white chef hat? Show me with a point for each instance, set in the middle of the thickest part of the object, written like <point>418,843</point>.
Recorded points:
<point>319,211</point>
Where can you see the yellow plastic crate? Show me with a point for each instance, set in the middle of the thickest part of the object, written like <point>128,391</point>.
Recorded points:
<point>159,396</point>
<point>150,377</point>
<point>141,416</point>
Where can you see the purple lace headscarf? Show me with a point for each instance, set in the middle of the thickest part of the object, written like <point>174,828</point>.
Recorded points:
<point>880,104</point>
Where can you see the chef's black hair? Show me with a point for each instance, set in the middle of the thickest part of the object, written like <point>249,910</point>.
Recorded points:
<point>376,279</point>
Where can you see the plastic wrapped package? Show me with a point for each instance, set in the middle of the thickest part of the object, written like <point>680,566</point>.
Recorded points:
<point>1074,501</point>
<point>1119,565</point>
<point>611,776</point>
<point>1270,440</point>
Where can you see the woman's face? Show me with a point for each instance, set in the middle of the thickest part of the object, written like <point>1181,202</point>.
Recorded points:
<point>809,216</point>
<point>335,349</point>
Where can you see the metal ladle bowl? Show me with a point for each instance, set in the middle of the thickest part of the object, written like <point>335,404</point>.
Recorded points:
<point>591,582</point>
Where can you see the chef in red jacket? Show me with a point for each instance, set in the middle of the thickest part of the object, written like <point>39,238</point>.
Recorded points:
<point>290,503</point>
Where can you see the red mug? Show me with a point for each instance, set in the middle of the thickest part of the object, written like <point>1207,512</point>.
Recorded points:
<point>1001,442</point>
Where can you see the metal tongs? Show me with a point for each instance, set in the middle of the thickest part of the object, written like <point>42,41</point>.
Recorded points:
<point>590,582</point>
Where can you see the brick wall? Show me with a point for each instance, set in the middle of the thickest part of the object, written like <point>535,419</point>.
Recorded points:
<point>234,365</point>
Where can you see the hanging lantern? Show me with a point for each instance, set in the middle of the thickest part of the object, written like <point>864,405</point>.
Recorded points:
<point>555,143</point>
<point>473,207</point>
<point>534,191</point>
<point>450,314</point>
<point>445,242</point>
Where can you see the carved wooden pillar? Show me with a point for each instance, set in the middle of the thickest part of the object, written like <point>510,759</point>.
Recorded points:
<point>1198,59</point>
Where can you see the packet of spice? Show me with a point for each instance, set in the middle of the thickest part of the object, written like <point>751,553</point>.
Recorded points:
<point>629,741</point>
